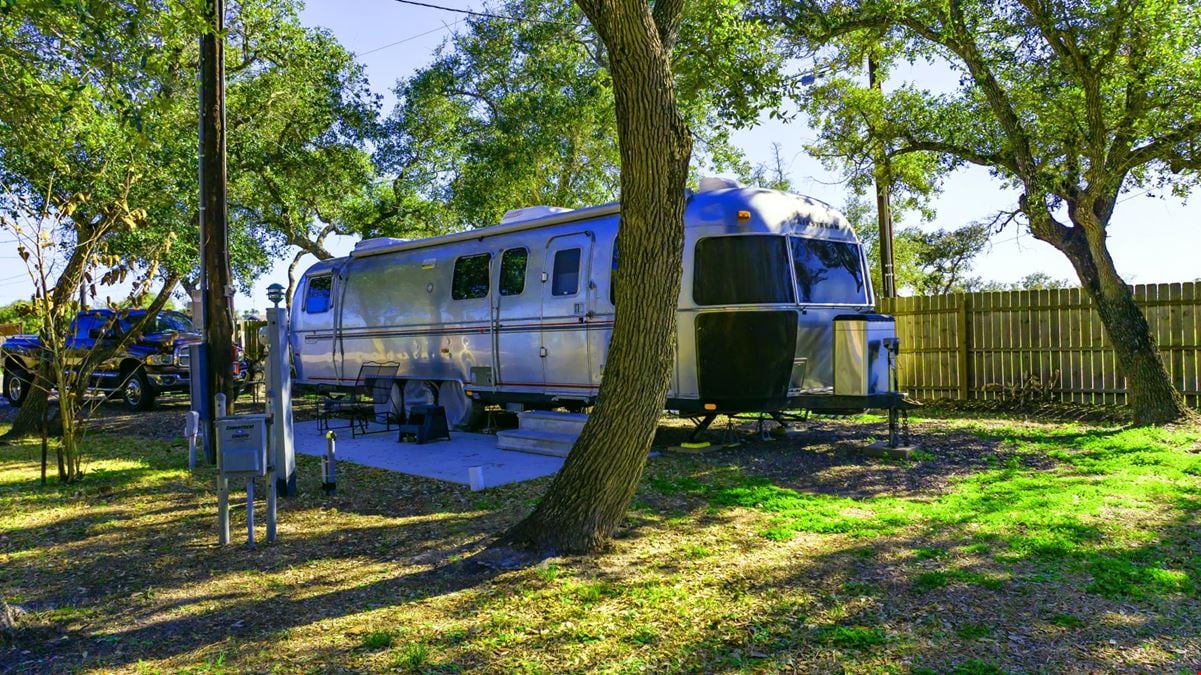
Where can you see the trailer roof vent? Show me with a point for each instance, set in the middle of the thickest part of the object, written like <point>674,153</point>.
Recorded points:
<point>712,183</point>
<point>377,242</point>
<point>531,213</point>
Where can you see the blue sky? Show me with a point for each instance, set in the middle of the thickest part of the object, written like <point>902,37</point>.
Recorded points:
<point>1153,240</point>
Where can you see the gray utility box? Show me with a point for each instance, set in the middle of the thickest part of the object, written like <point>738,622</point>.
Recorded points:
<point>862,363</point>
<point>242,442</point>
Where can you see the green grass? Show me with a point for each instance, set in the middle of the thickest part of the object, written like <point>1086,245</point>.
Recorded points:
<point>853,637</point>
<point>924,553</point>
<point>378,639</point>
<point>973,631</point>
<point>928,581</point>
<point>1067,621</point>
<point>413,657</point>
<point>1069,513</point>
<point>977,667</point>
<point>717,570</point>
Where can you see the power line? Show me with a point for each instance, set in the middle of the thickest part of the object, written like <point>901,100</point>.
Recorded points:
<point>7,281</point>
<point>486,15</point>
<point>413,37</point>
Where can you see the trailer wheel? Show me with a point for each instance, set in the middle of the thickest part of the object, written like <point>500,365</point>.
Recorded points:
<point>418,393</point>
<point>461,411</point>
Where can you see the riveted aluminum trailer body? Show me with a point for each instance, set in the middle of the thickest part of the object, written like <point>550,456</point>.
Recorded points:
<point>523,311</point>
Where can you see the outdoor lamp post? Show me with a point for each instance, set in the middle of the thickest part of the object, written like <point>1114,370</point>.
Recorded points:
<point>279,393</point>
<point>275,293</point>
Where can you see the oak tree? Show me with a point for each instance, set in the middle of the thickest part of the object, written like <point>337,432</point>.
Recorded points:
<point>517,109</point>
<point>1074,104</point>
<point>101,103</point>
<point>589,496</point>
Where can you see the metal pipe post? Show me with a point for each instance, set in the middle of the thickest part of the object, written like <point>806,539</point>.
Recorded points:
<point>271,491</point>
<point>329,465</point>
<point>222,485</point>
<point>250,511</point>
<point>191,429</point>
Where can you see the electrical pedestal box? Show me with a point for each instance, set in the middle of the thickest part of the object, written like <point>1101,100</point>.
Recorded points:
<point>863,345</point>
<point>242,442</point>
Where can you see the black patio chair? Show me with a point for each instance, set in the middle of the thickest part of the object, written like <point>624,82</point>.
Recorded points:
<point>368,403</point>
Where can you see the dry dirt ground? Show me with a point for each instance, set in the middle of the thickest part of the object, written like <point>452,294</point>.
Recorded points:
<point>1003,546</point>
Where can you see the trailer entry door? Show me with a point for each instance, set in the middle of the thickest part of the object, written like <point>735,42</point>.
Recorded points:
<point>517,304</point>
<point>565,297</point>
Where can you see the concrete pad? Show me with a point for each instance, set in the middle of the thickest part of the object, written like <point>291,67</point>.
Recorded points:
<point>441,460</point>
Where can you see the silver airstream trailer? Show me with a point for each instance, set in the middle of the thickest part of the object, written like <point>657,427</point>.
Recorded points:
<point>521,313</point>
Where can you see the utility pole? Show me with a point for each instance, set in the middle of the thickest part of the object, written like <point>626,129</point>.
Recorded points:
<point>883,174</point>
<point>216,351</point>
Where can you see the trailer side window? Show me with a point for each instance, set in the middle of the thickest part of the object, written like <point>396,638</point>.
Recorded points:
<point>741,270</point>
<point>471,277</point>
<point>567,272</point>
<point>317,297</point>
<point>828,272</point>
<point>512,271</point>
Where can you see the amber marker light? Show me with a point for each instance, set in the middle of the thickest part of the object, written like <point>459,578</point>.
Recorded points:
<point>710,406</point>
<point>744,215</point>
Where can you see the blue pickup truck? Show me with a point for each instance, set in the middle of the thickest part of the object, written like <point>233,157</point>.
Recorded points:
<point>156,362</point>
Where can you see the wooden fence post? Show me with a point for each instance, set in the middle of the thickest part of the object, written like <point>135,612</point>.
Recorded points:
<point>965,345</point>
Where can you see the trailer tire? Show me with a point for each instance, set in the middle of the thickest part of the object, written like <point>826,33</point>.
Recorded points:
<point>461,412</point>
<point>16,387</point>
<point>419,393</point>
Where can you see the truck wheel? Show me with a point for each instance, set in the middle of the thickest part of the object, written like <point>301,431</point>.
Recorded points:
<point>16,387</point>
<point>137,393</point>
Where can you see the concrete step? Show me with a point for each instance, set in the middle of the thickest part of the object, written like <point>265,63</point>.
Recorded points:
<point>554,422</point>
<point>538,442</point>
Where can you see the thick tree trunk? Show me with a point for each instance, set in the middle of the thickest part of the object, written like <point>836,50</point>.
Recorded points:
<point>28,421</point>
<point>1153,397</point>
<point>590,495</point>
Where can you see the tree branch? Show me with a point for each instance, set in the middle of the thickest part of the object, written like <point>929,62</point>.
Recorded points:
<point>1064,44</point>
<point>1163,148</point>
<point>965,47</point>
<point>667,15</point>
<point>964,153</point>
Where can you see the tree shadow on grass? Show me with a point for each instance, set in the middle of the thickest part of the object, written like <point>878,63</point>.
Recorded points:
<point>828,457</point>
<point>161,630</point>
<point>1004,576</point>
<point>936,592</point>
<point>138,571</point>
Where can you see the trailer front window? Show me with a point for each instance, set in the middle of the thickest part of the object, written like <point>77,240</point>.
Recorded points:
<point>471,277</point>
<point>317,297</point>
<point>741,270</point>
<point>828,272</point>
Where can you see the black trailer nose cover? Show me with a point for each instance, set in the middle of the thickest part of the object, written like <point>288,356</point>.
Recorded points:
<point>745,356</point>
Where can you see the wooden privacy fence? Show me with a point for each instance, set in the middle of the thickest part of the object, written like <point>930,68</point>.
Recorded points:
<point>990,345</point>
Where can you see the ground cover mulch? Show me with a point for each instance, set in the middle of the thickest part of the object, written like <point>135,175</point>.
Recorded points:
<point>1003,546</point>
